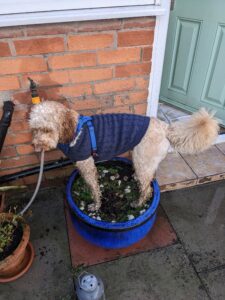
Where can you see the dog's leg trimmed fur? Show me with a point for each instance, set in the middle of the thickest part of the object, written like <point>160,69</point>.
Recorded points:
<point>89,172</point>
<point>147,155</point>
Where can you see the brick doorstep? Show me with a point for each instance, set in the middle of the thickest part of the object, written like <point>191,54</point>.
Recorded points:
<point>191,182</point>
<point>177,172</point>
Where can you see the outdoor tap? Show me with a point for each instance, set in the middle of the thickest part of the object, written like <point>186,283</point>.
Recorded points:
<point>34,93</point>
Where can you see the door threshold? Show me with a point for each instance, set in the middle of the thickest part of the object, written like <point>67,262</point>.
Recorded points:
<point>169,113</point>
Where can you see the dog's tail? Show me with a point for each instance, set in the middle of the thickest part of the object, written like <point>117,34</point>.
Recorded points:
<point>194,134</point>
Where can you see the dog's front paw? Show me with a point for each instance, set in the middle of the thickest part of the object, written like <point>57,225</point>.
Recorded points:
<point>94,206</point>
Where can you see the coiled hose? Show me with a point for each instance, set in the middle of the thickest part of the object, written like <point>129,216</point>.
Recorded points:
<point>37,186</point>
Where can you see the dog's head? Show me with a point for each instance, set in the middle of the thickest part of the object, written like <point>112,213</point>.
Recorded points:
<point>44,139</point>
<point>51,123</point>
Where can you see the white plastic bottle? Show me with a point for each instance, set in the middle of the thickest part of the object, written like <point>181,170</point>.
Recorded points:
<point>89,287</point>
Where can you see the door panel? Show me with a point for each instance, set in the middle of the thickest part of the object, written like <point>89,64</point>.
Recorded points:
<point>214,88</point>
<point>194,65</point>
<point>186,38</point>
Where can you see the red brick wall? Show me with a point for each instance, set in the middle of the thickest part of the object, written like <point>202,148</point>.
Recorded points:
<point>93,67</point>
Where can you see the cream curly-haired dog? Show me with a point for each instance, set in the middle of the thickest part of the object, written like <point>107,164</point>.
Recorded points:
<point>54,125</point>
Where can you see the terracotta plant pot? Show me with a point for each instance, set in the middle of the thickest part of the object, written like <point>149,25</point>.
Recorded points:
<point>16,264</point>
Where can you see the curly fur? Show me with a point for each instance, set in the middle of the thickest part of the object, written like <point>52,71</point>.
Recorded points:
<point>53,123</point>
<point>195,134</point>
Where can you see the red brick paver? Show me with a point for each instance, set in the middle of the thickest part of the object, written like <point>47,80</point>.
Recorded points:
<point>82,252</point>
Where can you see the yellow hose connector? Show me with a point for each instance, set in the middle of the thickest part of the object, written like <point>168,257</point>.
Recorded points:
<point>36,100</point>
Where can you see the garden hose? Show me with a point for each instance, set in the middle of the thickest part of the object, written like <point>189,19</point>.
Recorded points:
<point>37,186</point>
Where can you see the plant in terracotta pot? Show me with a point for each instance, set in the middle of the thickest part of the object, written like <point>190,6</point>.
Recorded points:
<point>16,252</point>
<point>4,189</point>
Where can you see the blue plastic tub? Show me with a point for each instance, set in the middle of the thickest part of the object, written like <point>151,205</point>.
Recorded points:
<point>112,235</point>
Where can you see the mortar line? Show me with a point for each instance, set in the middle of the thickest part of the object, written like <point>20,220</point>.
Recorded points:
<point>68,240</point>
<point>219,149</point>
<point>197,177</point>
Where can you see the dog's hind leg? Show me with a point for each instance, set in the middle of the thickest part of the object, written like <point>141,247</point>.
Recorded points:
<point>89,172</point>
<point>146,157</point>
<point>143,177</point>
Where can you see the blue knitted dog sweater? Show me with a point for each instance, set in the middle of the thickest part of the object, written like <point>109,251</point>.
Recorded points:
<point>115,134</point>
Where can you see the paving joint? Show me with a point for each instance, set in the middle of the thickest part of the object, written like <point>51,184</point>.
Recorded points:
<point>188,165</point>
<point>179,241</point>
<point>217,268</point>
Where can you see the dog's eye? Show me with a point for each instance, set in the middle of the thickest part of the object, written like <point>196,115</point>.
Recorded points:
<point>41,131</point>
<point>46,130</point>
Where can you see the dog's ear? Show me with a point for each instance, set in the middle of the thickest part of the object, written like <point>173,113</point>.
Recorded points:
<point>68,126</point>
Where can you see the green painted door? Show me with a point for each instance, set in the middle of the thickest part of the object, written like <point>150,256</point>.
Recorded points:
<point>194,66</point>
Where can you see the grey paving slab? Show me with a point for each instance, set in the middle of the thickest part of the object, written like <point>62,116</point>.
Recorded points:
<point>50,275</point>
<point>173,169</point>
<point>163,274</point>
<point>209,162</point>
<point>221,147</point>
<point>214,282</point>
<point>198,217</point>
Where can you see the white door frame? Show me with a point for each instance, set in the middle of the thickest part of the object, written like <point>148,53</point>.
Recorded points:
<point>159,46</point>
<point>160,8</point>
